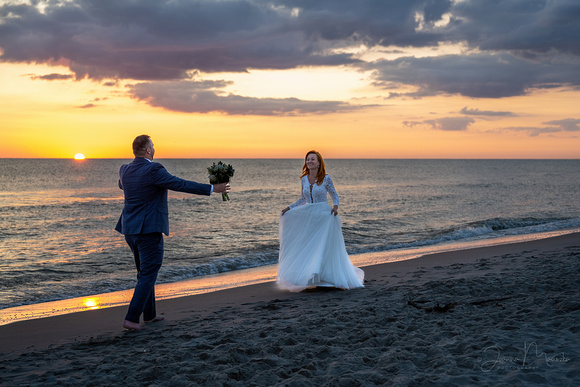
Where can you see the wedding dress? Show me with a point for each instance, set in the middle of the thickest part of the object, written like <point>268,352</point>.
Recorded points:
<point>312,250</point>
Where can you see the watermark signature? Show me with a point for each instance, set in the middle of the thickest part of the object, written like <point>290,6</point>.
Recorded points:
<point>530,357</point>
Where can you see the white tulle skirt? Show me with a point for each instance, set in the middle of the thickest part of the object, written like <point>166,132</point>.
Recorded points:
<point>312,251</point>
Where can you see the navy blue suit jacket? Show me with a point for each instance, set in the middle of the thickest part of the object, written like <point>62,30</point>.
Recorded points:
<point>145,185</point>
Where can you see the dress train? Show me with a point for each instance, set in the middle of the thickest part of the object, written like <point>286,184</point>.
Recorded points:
<point>312,251</point>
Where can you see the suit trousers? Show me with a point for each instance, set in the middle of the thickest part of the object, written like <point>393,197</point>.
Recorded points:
<point>148,253</point>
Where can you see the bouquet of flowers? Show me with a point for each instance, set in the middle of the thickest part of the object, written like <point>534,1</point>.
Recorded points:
<point>220,173</point>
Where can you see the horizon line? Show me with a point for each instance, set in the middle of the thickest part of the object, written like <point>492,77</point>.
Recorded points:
<point>287,158</point>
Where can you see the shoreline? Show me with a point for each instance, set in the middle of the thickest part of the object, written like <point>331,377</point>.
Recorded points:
<point>504,314</point>
<point>245,277</point>
<point>398,270</point>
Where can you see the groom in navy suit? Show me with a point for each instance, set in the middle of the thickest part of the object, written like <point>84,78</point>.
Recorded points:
<point>145,219</point>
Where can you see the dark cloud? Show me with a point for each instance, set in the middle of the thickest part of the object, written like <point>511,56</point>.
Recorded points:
<point>53,77</point>
<point>451,124</point>
<point>369,22</point>
<point>530,28</point>
<point>206,97</point>
<point>520,44</point>
<point>477,112</point>
<point>434,10</point>
<point>164,39</point>
<point>476,75</point>
<point>155,40</point>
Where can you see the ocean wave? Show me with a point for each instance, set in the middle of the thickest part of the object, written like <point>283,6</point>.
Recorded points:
<point>217,266</point>
<point>499,227</point>
<point>485,229</point>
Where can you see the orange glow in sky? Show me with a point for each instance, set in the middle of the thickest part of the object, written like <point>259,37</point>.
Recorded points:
<point>347,98</point>
<point>34,126</point>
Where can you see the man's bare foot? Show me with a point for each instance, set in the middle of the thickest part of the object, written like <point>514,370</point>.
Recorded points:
<point>156,318</point>
<point>131,325</point>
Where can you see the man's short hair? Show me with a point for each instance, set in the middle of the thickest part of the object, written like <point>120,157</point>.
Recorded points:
<point>140,144</point>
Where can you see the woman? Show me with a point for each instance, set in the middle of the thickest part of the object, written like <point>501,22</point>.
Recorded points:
<point>312,251</point>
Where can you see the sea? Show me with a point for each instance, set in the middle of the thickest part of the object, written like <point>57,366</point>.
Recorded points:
<point>57,216</point>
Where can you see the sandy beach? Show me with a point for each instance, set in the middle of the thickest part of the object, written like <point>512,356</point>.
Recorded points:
<point>500,315</point>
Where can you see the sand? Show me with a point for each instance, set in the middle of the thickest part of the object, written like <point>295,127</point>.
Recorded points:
<point>501,315</point>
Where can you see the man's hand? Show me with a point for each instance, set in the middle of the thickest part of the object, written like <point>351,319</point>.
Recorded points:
<point>221,188</point>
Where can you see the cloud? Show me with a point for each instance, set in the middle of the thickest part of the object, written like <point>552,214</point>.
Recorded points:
<point>565,125</point>
<point>529,28</point>
<point>163,39</point>
<point>568,125</point>
<point>475,75</point>
<point>413,95</point>
<point>87,106</point>
<point>514,46</point>
<point>52,77</point>
<point>477,112</point>
<point>206,97</point>
<point>452,124</point>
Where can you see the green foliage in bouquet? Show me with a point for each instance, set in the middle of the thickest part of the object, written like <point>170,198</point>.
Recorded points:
<point>220,173</point>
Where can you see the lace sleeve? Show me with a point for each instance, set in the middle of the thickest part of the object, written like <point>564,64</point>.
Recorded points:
<point>331,191</point>
<point>302,199</point>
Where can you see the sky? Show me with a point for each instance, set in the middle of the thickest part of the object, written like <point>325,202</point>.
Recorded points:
<point>275,79</point>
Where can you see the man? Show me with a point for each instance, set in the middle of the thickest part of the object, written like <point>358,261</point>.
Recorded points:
<point>144,220</point>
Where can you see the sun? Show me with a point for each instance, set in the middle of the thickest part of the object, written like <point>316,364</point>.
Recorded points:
<point>79,156</point>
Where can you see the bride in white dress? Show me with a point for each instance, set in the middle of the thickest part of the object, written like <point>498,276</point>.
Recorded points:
<point>312,251</point>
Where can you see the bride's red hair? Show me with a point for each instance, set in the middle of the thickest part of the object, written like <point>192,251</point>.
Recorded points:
<point>321,171</point>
